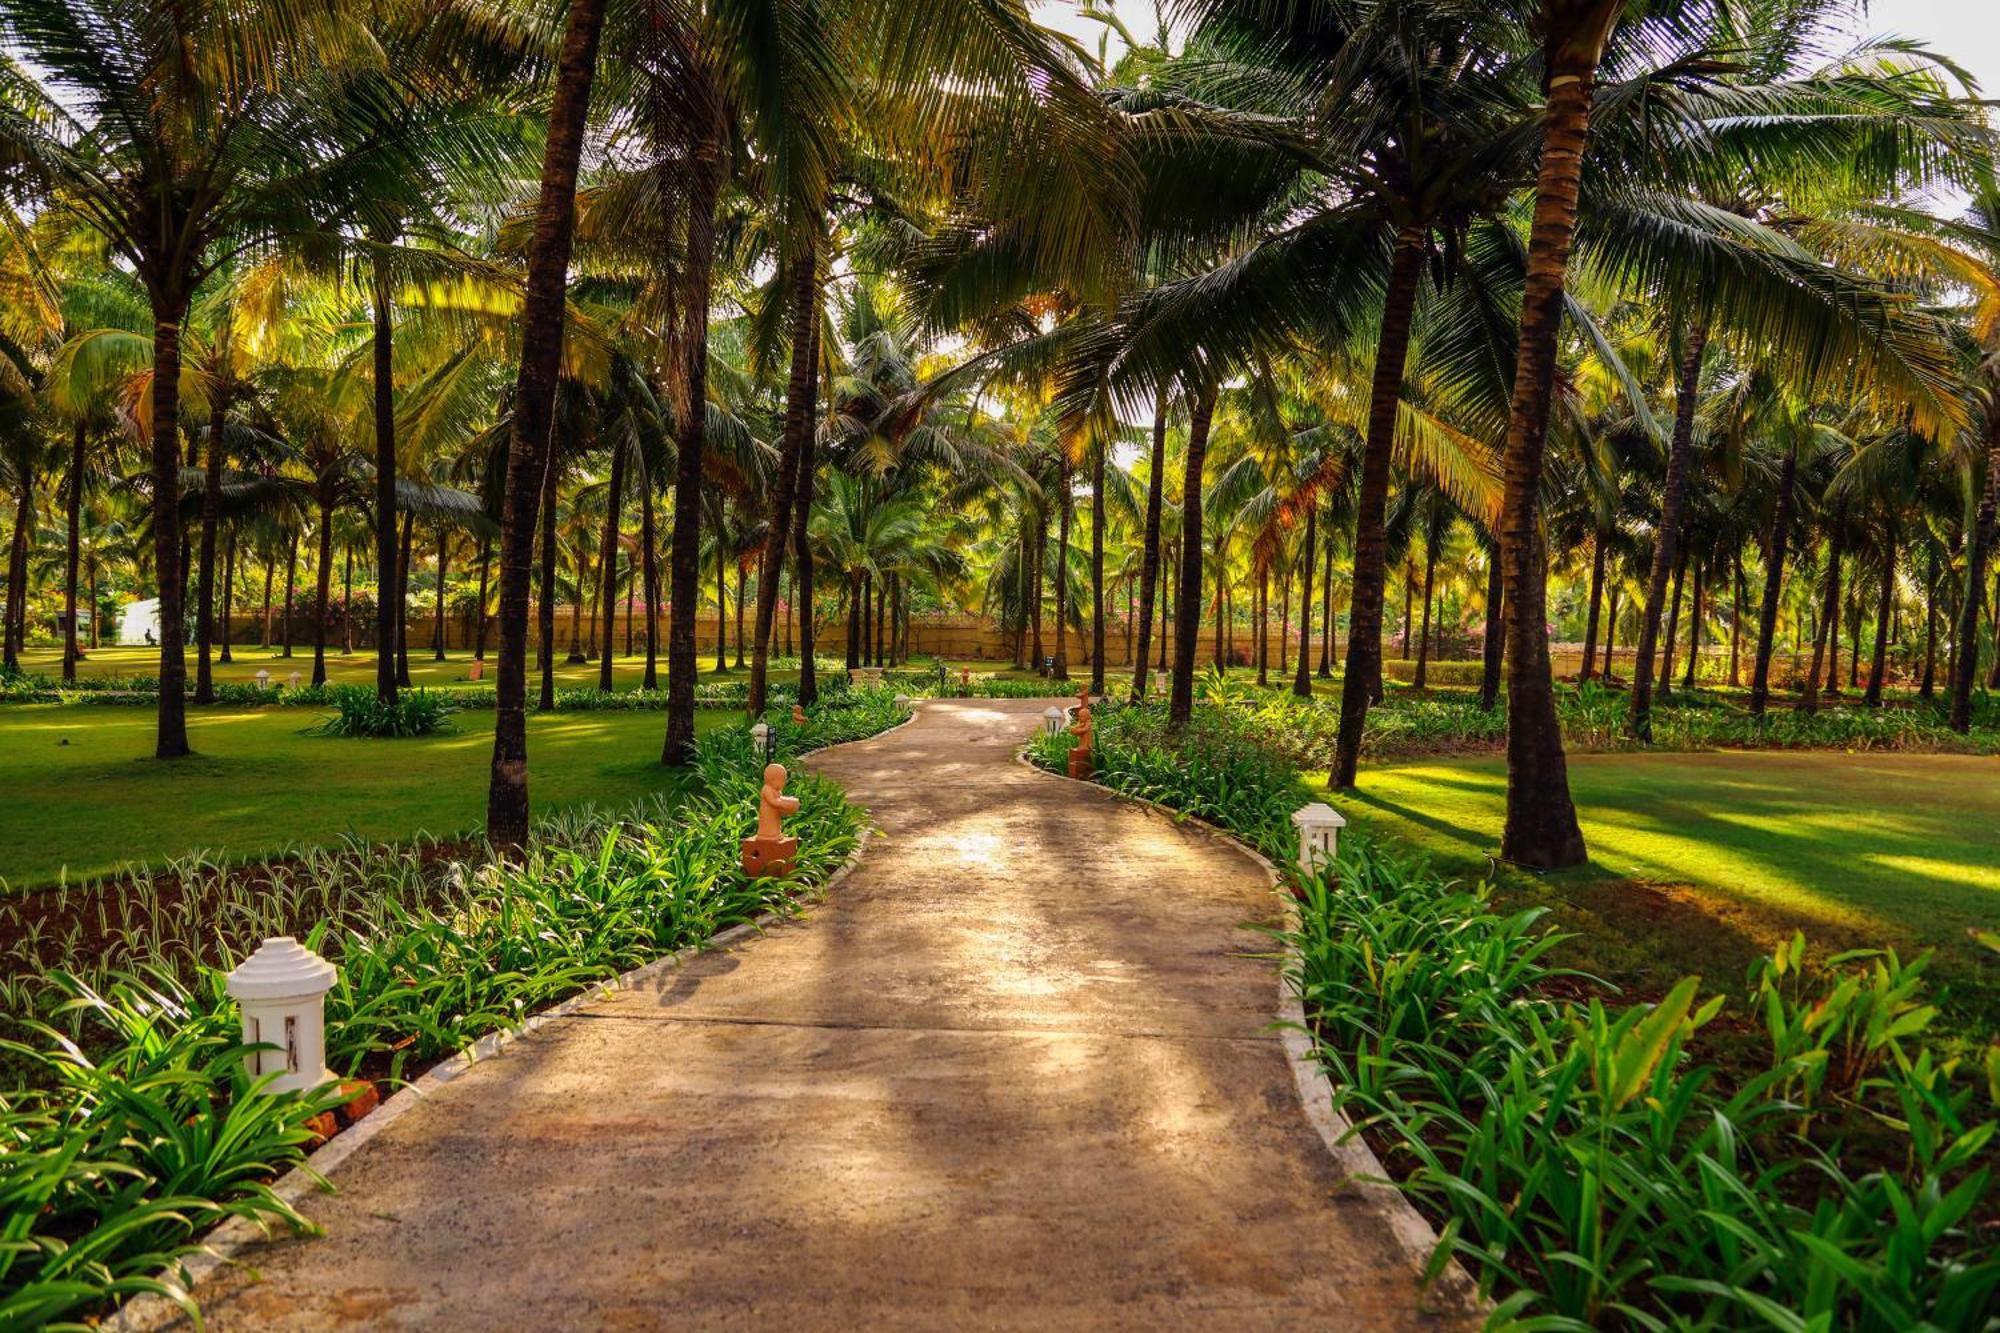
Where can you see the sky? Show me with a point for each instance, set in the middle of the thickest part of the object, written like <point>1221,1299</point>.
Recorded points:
<point>1966,31</point>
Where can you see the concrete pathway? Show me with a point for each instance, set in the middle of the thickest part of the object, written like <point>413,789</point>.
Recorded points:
<point>1017,1072</point>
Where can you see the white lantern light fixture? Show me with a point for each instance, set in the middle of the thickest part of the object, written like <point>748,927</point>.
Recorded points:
<point>760,736</point>
<point>292,682</point>
<point>281,990</point>
<point>1052,721</point>
<point>902,701</point>
<point>263,679</point>
<point>1319,827</point>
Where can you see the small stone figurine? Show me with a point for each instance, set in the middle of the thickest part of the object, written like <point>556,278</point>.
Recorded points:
<point>1080,765</point>
<point>798,715</point>
<point>771,852</point>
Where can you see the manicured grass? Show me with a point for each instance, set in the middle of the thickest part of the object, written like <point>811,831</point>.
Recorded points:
<point>359,668</point>
<point>79,788</point>
<point>1699,861</point>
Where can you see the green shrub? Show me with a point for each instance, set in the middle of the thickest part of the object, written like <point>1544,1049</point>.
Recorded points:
<point>362,712</point>
<point>1589,1168</point>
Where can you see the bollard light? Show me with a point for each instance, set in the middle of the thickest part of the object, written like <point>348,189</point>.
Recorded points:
<point>1319,827</point>
<point>760,736</point>
<point>292,682</point>
<point>281,990</point>
<point>1052,721</point>
<point>902,701</point>
<point>263,679</point>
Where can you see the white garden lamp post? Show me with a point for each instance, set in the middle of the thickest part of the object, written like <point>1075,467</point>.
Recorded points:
<point>902,701</point>
<point>1319,827</point>
<point>760,736</point>
<point>281,990</point>
<point>292,681</point>
<point>1052,721</point>
<point>263,679</point>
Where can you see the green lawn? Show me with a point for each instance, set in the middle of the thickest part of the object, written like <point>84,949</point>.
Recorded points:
<point>359,668</point>
<point>1699,861</point>
<point>79,788</point>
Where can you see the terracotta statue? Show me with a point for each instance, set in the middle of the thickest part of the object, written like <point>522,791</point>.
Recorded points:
<point>965,677</point>
<point>771,852</point>
<point>798,716</point>
<point>1080,765</point>
<point>772,803</point>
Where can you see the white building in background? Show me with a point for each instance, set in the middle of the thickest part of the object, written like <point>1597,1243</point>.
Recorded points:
<point>140,622</point>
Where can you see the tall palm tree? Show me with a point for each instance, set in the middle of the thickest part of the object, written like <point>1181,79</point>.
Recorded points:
<point>183,133</point>
<point>533,411</point>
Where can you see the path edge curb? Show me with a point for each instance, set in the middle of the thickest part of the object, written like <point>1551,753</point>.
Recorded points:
<point>1365,1175</point>
<point>148,1311</point>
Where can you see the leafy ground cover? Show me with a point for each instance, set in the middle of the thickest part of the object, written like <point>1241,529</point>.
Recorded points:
<point>130,1130</point>
<point>1810,1155</point>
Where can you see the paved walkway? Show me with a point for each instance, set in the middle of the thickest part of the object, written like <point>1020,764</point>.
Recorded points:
<point>1016,1072</point>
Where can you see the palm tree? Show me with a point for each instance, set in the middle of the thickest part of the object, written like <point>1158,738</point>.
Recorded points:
<point>184,133</point>
<point>533,410</point>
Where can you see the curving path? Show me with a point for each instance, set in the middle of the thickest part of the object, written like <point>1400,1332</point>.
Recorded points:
<point>1017,1071</point>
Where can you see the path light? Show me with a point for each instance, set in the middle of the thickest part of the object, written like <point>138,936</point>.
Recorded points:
<point>281,990</point>
<point>263,679</point>
<point>902,701</point>
<point>760,736</point>
<point>293,681</point>
<point>1319,827</point>
<point>1052,721</point>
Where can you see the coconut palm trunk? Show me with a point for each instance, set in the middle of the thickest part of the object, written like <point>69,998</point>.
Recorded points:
<point>1494,641</point>
<point>1694,630</point>
<point>534,404</point>
<point>1666,551</point>
<point>228,596</point>
<point>1828,633</point>
<point>1673,630</point>
<point>1589,668</point>
<point>1774,581</point>
<point>545,601</point>
<point>1149,550</point>
<point>479,610</point>
<point>1541,828</point>
<point>1326,625</point>
<point>802,558</point>
<point>406,546</point>
<point>650,567</point>
<point>1201,410</point>
<point>73,547</point>
<point>1302,683</point>
<point>211,523</point>
<point>1884,603</point>
<point>437,633</point>
<point>1097,570</point>
<point>1060,671</point>
<point>386,676</point>
<point>608,560</point>
<point>799,393</point>
<point>684,559</point>
<point>169,302</point>
<point>1422,677</point>
<point>1927,689</point>
<point>325,575</point>
<point>1965,669</point>
<point>1364,608</point>
<point>291,589</point>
